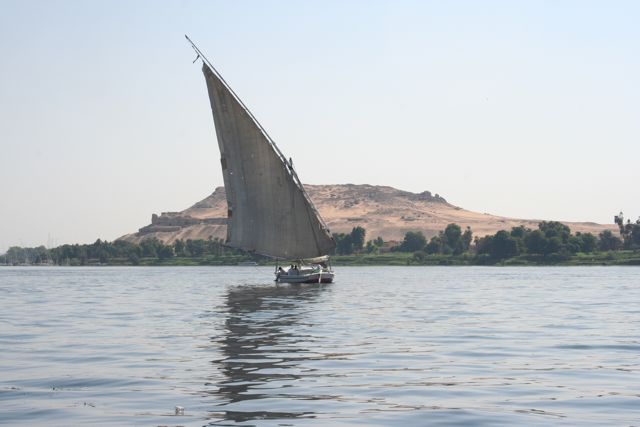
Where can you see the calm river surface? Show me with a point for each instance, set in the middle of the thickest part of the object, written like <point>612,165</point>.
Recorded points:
<point>381,346</point>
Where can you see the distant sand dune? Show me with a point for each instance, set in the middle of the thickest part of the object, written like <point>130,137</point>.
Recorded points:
<point>383,211</point>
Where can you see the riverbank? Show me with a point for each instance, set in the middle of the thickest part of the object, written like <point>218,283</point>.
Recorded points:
<point>389,259</point>
<point>600,258</point>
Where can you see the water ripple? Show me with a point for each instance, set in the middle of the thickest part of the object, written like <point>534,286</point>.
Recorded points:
<point>382,346</point>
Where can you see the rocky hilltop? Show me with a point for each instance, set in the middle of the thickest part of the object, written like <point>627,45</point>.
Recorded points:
<point>383,211</point>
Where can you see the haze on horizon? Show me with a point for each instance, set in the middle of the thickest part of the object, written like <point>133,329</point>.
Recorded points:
<point>523,109</point>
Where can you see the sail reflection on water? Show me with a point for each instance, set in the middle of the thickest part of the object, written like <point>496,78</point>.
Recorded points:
<point>263,347</point>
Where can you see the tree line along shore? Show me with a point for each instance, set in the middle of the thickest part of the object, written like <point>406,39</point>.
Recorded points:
<point>552,243</point>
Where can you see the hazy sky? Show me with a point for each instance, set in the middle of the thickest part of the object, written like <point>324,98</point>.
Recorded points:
<point>527,109</point>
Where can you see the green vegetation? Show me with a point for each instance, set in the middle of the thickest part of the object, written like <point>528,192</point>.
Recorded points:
<point>350,243</point>
<point>552,243</point>
<point>148,252</point>
<point>630,232</point>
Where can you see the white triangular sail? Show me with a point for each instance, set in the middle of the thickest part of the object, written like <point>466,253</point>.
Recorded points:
<point>269,211</point>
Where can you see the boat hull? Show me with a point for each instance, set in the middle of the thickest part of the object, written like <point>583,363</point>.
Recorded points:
<point>324,277</point>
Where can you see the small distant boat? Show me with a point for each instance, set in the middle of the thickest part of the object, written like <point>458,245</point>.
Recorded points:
<point>269,211</point>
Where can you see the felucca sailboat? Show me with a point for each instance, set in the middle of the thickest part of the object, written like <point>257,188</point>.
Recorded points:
<point>269,211</point>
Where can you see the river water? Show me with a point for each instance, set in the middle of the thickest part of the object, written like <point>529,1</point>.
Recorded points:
<point>381,346</point>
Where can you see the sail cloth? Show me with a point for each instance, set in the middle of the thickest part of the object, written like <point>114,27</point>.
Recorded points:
<point>268,210</point>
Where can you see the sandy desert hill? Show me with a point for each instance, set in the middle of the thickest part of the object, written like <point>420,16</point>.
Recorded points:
<point>383,211</point>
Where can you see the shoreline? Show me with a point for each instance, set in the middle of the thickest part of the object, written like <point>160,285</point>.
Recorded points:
<point>398,259</point>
